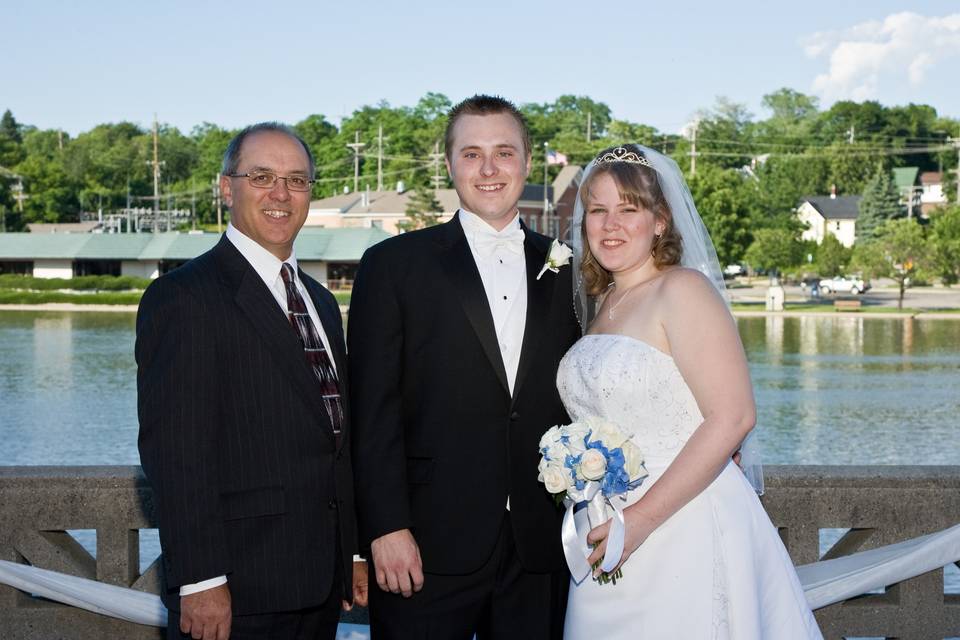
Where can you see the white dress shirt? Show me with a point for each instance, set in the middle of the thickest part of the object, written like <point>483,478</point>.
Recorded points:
<point>268,268</point>
<point>503,270</point>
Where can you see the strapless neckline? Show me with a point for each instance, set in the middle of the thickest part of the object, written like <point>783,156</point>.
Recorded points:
<point>644,343</point>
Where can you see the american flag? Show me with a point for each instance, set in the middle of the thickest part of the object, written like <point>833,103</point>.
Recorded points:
<point>555,157</point>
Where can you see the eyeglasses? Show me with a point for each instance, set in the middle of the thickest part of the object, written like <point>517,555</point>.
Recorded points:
<point>266,180</point>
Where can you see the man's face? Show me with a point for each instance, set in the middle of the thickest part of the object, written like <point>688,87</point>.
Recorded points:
<point>271,217</point>
<point>489,166</point>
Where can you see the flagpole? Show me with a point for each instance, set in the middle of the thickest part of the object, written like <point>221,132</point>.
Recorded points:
<point>546,203</point>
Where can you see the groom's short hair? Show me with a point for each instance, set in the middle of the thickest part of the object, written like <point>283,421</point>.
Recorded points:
<point>484,105</point>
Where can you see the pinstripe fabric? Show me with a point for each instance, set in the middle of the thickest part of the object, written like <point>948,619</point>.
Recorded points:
<point>235,440</point>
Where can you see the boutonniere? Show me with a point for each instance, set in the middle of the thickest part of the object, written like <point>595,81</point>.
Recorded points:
<point>558,256</point>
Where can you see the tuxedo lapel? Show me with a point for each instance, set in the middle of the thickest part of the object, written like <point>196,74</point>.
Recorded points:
<point>261,309</point>
<point>461,268</point>
<point>539,295</point>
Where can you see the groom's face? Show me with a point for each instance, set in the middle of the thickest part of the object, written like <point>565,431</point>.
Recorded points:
<point>489,166</point>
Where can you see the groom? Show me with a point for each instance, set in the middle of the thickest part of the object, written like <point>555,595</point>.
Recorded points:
<point>454,342</point>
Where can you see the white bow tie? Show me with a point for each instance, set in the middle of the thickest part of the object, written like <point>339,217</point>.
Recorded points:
<point>487,242</point>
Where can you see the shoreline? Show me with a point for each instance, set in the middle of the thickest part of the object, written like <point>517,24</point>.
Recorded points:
<point>738,313</point>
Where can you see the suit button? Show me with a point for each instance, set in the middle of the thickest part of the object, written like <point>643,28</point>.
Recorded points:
<point>332,504</point>
<point>514,416</point>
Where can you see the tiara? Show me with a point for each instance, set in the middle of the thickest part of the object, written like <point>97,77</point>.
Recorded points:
<point>622,154</point>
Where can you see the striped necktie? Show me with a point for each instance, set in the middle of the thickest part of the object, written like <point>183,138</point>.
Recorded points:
<point>316,354</point>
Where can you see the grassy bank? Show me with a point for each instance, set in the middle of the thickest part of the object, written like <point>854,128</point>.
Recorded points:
<point>8,296</point>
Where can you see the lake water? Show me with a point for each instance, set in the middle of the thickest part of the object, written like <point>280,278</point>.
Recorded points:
<point>844,390</point>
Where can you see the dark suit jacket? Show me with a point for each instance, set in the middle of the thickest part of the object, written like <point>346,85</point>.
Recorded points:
<point>235,441</point>
<point>440,443</point>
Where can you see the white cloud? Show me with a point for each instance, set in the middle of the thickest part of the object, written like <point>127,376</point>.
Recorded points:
<point>865,57</point>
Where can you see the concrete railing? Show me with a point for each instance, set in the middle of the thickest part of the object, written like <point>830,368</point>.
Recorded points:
<point>880,505</point>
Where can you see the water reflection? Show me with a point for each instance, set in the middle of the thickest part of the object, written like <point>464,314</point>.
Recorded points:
<point>856,390</point>
<point>847,390</point>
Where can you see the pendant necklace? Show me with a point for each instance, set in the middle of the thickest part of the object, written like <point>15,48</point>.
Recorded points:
<point>626,293</point>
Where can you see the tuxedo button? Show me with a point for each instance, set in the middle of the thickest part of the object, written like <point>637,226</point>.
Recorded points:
<point>332,504</point>
<point>514,416</point>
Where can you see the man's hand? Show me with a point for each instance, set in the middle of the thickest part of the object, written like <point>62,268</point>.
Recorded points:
<point>206,614</point>
<point>360,582</point>
<point>396,558</point>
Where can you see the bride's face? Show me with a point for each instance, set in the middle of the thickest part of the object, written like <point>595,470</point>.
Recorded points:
<point>620,234</point>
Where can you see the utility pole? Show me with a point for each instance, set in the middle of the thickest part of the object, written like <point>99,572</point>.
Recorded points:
<point>956,172</point>
<point>19,196</point>
<point>156,174</point>
<point>851,134</point>
<point>437,179</point>
<point>193,206</point>
<point>693,149</point>
<point>380,157</point>
<point>60,139</point>
<point>546,202</point>
<point>589,126</point>
<point>356,146</point>
<point>217,201</point>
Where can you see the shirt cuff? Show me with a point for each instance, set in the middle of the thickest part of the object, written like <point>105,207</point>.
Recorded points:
<point>189,589</point>
<point>357,558</point>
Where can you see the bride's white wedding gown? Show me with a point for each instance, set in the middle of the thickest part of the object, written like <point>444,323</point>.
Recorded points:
<point>716,568</point>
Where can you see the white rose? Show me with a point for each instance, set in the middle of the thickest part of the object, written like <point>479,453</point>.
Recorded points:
<point>551,436</point>
<point>559,254</point>
<point>633,461</point>
<point>556,453</point>
<point>593,464</point>
<point>607,433</point>
<point>555,478</point>
<point>576,432</point>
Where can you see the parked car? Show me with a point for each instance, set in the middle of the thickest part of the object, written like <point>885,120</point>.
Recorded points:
<point>734,270</point>
<point>843,284</point>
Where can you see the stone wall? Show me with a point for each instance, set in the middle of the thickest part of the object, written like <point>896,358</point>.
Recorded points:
<point>880,505</point>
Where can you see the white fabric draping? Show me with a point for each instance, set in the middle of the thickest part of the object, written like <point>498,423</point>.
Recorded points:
<point>824,582</point>
<point>830,581</point>
<point>110,600</point>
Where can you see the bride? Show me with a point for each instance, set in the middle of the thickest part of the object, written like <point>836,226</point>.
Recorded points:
<point>662,359</point>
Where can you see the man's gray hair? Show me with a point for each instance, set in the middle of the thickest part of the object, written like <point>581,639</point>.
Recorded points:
<point>231,157</point>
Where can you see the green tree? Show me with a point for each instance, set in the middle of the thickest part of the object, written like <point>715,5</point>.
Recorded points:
<point>945,239</point>
<point>11,150</point>
<point>831,257</point>
<point>897,250</point>
<point>774,250</point>
<point>880,203</point>
<point>423,210</point>
<point>9,127</point>
<point>723,201</point>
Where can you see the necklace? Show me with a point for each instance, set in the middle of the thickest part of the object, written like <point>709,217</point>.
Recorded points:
<point>614,306</point>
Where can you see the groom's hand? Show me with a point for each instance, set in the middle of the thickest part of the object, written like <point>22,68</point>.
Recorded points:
<point>396,558</point>
<point>206,614</point>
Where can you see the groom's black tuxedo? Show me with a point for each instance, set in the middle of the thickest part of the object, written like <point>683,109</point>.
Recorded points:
<point>234,438</point>
<point>440,443</point>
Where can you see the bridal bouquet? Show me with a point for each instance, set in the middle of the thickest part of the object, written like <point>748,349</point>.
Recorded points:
<point>589,466</point>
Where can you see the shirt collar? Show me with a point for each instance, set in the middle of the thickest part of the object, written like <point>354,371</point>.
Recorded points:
<point>263,262</point>
<point>473,224</point>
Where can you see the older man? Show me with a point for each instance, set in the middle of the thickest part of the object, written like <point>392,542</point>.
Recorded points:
<point>244,423</point>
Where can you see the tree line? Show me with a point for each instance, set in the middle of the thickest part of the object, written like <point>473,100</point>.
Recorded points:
<point>750,173</point>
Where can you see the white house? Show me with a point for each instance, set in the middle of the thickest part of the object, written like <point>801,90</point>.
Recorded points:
<point>832,214</point>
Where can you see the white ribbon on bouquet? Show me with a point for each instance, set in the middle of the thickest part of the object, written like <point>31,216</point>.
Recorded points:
<point>585,510</point>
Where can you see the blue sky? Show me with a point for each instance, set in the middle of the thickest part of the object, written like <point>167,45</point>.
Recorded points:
<point>73,65</point>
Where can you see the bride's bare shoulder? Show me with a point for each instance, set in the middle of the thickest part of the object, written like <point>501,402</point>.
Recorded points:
<point>689,287</point>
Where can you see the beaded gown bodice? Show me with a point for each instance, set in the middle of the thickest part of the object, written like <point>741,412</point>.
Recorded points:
<point>634,385</point>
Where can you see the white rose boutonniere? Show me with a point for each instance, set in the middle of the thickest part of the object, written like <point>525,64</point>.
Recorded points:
<point>558,256</point>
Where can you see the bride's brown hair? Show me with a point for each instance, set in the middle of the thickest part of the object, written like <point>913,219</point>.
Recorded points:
<point>638,185</point>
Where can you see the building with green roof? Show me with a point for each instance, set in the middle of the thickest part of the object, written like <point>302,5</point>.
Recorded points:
<point>329,255</point>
